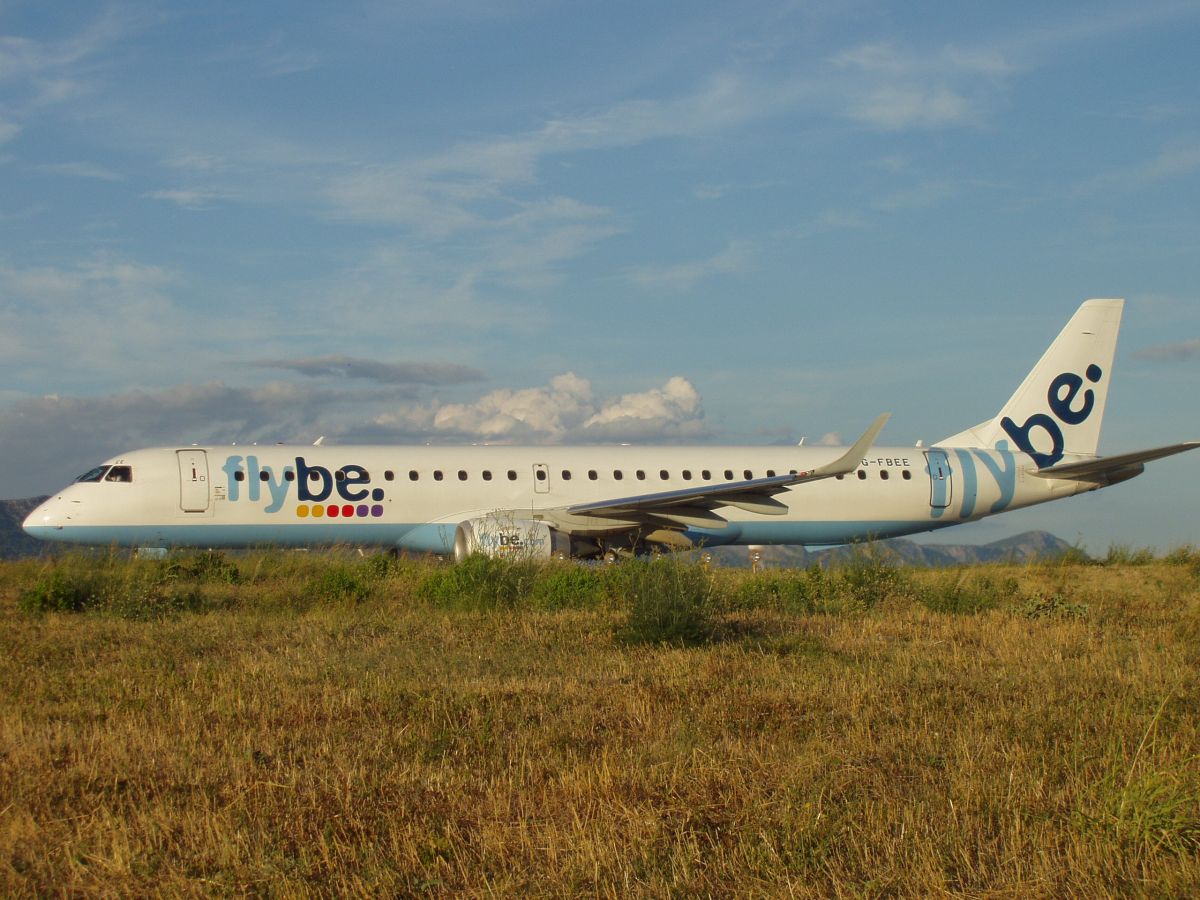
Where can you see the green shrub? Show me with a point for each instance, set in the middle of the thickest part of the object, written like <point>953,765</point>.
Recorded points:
<point>64,590</point>
<point>340,582</point>
<point>207,566</point>
<point>1124,555</point>
<point>1052,606</point>
<point>669,602</point>
<point>479,582</point>
<point>566,586</point>
<point>963,593</point>
<point>868,579</point>
<point>787,590</point>
<point>129,589</point>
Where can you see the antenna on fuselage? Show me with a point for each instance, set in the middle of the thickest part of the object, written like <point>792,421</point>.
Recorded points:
<point>319,441</point>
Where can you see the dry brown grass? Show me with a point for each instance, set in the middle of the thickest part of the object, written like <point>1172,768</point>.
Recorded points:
<point>1047,746</point>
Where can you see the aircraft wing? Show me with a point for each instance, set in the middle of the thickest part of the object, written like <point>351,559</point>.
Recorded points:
<point>1123,465</point>
<point>694,506</point>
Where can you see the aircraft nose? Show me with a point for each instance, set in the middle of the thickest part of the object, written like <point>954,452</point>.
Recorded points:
<point>45,519</point>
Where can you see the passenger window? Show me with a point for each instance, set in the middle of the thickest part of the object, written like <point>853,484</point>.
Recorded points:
<point>883,473</point>
<point>664,474</point>
<point>264,475</point>
<point>706,474</point>
<point>339,475</point>
<point>289,475</point>
<point>437,475</point>
<point>512,475</point>
<point>412,475</point>
<point>566,474</point>
<point>617,475</point>
<point>862,476</point>
<point>487,475</point>
<point>729,474</point>
<point>389,475</point>
<point>462,475</point>
<point>312,476</point>
<point>687,474</point>
<point>641,474</point>
<point>906,475</point>
<point>770,473</point>
<point>749,476</point>
<point>239,475</point>
<point>840,477</point>
<point>592,475</point>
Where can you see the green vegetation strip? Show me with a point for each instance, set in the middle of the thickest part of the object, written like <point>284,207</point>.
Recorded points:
<point>278,723</point>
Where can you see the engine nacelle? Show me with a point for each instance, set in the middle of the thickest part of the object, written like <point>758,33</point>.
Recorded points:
<point>510,539</point>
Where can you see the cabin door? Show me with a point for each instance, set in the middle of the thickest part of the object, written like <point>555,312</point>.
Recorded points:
<point>193,480</point>
<point>940,485</point>
<point>541,478</point>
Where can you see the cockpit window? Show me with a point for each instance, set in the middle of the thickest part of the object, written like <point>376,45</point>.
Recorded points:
<point>95,474</point>
<point>120,473</point>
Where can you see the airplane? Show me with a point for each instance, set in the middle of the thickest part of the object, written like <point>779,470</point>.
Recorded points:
<point>606,501</point>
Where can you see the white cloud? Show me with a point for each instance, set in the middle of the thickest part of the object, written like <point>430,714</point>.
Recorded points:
<point>188,198</point>
<point>673,409</point>
<point>1179,159</point>
<point>551,412</point>
<point>892,89</point>
<point>448,192</point>
<point>1178,351</point>
<point>102,317</point>
<point>566,410</point>
<point>81,170</point>
<point>895,108</point>
<point>682,277</point>
<point>921,196</point>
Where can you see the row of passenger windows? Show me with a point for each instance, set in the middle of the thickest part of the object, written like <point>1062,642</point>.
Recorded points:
<point>542,475</point>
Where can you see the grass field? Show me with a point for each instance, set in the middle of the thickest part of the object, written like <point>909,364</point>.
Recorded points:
<point>307,724</point>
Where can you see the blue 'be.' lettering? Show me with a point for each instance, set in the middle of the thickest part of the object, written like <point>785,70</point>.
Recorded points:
<point>1063,392</point>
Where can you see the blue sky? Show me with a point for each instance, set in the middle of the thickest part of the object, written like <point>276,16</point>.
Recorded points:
<point>593,222</point>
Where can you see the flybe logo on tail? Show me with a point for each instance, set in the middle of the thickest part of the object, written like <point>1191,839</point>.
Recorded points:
<point>346,490</point>
<point>1061,398</point>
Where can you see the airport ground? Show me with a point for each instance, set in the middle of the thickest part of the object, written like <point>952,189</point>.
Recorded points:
<point>278,724</point>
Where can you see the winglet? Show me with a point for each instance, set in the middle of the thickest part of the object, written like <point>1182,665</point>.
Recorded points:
<point>852,458</point>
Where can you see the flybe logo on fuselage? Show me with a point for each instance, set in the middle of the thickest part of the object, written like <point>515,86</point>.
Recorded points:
<point>1063,392</point>
<point>319,492</point>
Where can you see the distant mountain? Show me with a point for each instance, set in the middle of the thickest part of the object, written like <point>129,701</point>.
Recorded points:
<point>1021,548</point>
<point>14,542</point>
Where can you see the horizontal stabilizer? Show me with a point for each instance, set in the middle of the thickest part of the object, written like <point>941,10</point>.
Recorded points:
<point>1097,469</point>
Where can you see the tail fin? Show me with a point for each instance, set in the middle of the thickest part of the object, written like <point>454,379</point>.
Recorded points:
<point>1059,406</point>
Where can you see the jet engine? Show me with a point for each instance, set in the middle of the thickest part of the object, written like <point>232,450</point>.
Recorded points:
<point>510,539</point>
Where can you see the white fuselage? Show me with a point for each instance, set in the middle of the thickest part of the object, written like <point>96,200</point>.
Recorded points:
<point>412,498</point>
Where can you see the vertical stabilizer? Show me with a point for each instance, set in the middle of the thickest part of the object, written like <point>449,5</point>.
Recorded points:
<point>1059,406</point>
